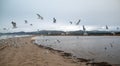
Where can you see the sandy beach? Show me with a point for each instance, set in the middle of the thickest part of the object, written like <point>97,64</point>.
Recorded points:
<point>21,51</point>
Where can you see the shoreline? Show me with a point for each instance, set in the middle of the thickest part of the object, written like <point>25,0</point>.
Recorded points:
<point>27,45</point>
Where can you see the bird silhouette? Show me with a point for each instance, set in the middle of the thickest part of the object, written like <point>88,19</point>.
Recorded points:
<point>54,20</point>
<point>107,27</point>
<point>39,17</point>
<point>84,28</point>
<point>31,24</point>
<point>117,28</point>
<point>4,29</point>
<point>105,48</point>
<point>14,24</point>
<point>78,22</point>
<point>26,21</point>
<point>70,22</point>
<point>111,45</point>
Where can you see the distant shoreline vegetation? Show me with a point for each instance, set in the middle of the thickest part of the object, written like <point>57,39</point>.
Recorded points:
<point>68,33</point>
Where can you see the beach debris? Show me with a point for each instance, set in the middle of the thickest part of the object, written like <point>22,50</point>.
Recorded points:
<point>78,22</point>
<point>83,60</point>
<point>3,47</point>
<point>49,48</point>
<point>59,51</point>
<point>26,21</point>
<point>66,54</point>
<point>99,64</point>
<point>39,16</point>
<point>54,20</point>
<point>14,24</point>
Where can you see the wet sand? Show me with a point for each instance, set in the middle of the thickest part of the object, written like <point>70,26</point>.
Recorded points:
<point>22,52</point>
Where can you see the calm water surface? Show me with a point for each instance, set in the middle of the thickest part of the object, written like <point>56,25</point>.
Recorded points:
<point>101,48</point>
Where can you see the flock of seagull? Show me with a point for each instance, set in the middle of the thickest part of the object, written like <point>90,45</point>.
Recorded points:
<point>54,21</point>
<point>14,24</point>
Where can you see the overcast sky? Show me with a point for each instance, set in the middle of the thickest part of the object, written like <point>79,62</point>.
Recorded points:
<point>94,14</point>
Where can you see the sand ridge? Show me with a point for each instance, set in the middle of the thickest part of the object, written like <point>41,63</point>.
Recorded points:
<point>21,52</point>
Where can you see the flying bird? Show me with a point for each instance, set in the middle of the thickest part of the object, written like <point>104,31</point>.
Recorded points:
<point>39,17</point>
<point>78,22</point>
<point>54,20</point>
<point>117,28</point>
<point>84,28</point>
<point>31,24</point>
<point>111,45</point>
<point>26,21</point>
<point>70,22</point>
<point>14,24</point>
<point>4,29</point>
<point>107,27</point>
<point>105,48</point>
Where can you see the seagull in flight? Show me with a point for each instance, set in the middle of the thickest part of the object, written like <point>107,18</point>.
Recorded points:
<point>26,21</point>
<point>78,22</point>
<point>54,20</point>
<point>70,22</point>
<point>4,29</point>
<point>14,24</point>
<point>84,28</point>
<point>39,16</point>
<point>31,24</point>
<point>107,27</point>
<point>117,28</point>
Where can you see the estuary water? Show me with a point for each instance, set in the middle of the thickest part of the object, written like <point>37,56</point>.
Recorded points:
<point>99,48</point>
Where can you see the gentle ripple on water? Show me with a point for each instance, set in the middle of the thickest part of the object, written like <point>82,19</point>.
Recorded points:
<point>101,48</point>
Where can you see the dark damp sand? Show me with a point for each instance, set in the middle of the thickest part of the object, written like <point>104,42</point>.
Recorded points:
<point>22,52</point>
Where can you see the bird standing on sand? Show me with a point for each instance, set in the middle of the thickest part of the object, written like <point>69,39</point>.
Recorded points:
<point>54,20</point>
<point>14,24</point>
<point>78,22</point>
<point>39,17</point>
